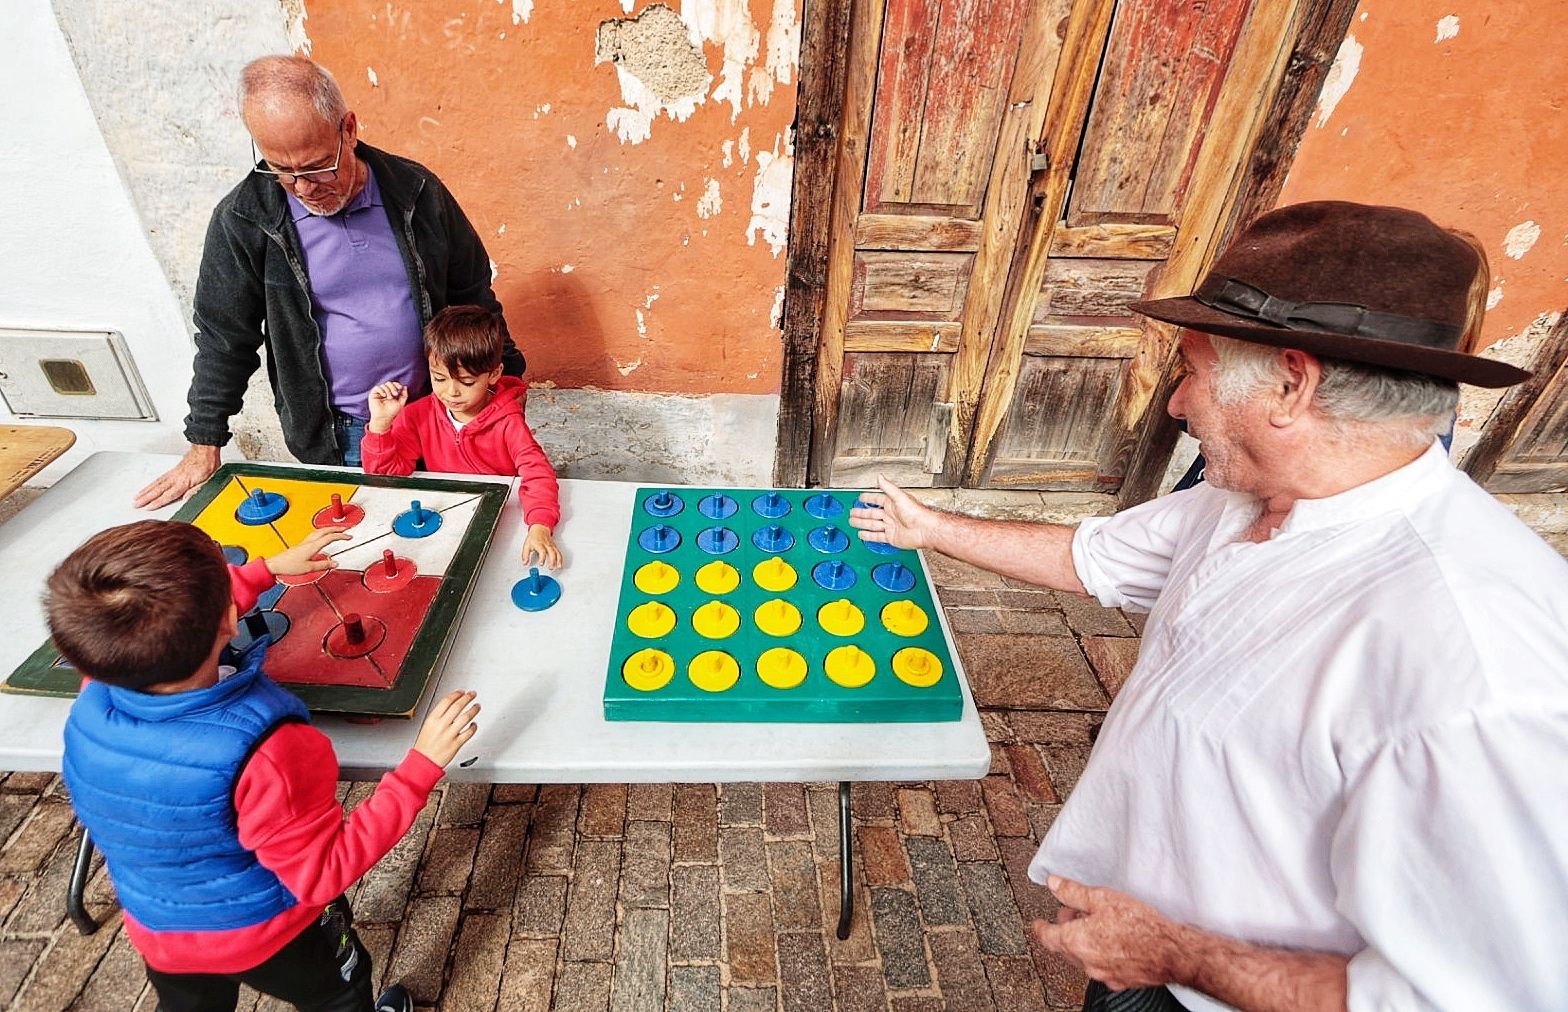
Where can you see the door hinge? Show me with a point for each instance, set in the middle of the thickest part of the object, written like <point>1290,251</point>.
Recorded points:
<point>937,430</point>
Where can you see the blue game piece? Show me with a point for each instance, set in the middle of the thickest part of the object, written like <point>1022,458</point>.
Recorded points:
<point>234,555</point>
<point>536,592</point>
<point>834,574</point>
<point>718,540</point>
<point>882,547</point>
<point>824,506</point>
<point>828,539</point>
<point>717,506</point>
<point>663,503</point>
<point>659,538</point>
<point>417,522</point>
<point>261,507</point>
<point>770,505</point>
<point>773,538</point>
<point>893,576</point>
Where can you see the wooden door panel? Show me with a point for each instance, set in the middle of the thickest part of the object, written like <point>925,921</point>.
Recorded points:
<point>1054,432</point>
<point>903,286</point>
<point>1076,288</point>
<point>888,417</point>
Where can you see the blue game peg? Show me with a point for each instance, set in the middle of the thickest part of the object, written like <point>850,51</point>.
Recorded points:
<point>770,505</point>
<point>417,522</point>
<point>261,507</point>
<point>663,503</point>
<point>718,540</point>
<point>234,555</point>
<point>773,538</point>
<point>833,574</point>
<point>824,506</point>
<point>535,592</point>
<point>828,539</point>
<point>893,576</point>
<point>881,547</point>
<point>717,506</point>
<point>659,538</point>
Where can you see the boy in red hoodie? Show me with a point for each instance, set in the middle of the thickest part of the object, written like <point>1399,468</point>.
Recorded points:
<point>472,423</point>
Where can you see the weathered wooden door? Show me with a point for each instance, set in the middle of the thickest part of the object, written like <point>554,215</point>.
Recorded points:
<point>1010,174</point>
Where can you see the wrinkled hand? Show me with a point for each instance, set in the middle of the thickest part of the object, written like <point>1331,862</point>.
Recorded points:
<point>176,483</point>
<point>896,517</point>
<point>386,400</point>
<point>447,727</point>
<point>1114,938</point>
<point>540,544</point>
<point>304,557</point>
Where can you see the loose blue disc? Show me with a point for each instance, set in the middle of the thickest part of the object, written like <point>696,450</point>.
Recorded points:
<point>717,506</point>
<point>234,555</point>
<point>824,506</point>
<point>771,505</point>
<point>261,507</point>
<point>718,540</point>
<point>536,592</point>
<point>773,538</point>
<point>828,539</point>
<point>659,538</point>
<point>663,504</point>
<point>882,547</point>
<point>256,624</point>
<point>417,522</point>
<point>834,574</point>
<point>893,576</point>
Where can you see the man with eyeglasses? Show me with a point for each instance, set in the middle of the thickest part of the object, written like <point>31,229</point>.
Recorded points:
<point>332,255</point>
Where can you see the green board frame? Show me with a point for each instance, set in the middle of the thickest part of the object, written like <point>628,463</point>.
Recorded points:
<point>45,674</point>
<point>816,700</point>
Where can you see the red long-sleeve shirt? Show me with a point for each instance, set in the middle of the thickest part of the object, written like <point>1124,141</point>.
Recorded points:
<point>289,815</point>
<point>496,441</point>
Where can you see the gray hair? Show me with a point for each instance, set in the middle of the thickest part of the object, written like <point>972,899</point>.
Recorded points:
<point>286,80</point>
<point>1349,394</point>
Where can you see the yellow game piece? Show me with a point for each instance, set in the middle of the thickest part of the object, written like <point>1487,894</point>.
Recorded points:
<point>904,618</point>
<point>715,620</point>
<point>778,617</point>
<point>713,671</point>
<point>917,667</point>
<point>774,575</point>
<point>841,617</point>
<point>850,666</point>
<point>651,620</point>
<point>781,668</point>
<point>718,577</point>
<point>657,577</point>
<point>647,670</point>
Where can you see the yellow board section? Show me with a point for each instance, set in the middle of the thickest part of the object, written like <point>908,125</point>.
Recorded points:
<point>715,620</point>
<point>917,667</point>
<point>713,671</point>
<point>904,618</point>
<point>651,620</point>
<point>781,667</point>
<point>850,666</point>
<point>718,578</point>
<point>841,617</point>
<point>306,499</point>
<point>778,617</point>
<point>774,575</point>
<point>657,578</point>
<point>648,670</point>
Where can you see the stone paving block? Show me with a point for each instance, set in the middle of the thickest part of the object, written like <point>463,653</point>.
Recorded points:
<point>740,804</point>
<point>1029,672</point>
<point>464,804</point>
<point>792,872</point>
<point>882,855</point>
<point>583,987</point>
<point>784,811</point>
<point>900,939</point>
<point>17,956</point>
<point>696,823</point>
<point>957,797</point>
<point>477,964</point>
<point>640,961</point>
<point>117,981</point>
<point>1062,982</point>
<point>1032,623</point>
<point>1140,619</point>
<point>650,802</point>
<point>604,811</point>
<point>947,572</point>
<point>59,975</point>
<point>973,839</point>
<point>917,1003</point>
<point>866,801</point>
<point>513,794</point>
<point>976,620</point>
<point>1027,599</point>
<point>999,764</point>
<point>552,835</point>
<point>936,881</point>
<point>858,989</point>
<point>1066,763</point>
<point>859,946</point>
<point>959,972</point>
<point>997,729</point>
<point>645,865</point>
<point>695,912</point>
<point>1040,819</point>
<point>753,999</point>
<point>589,932</point>
<point>42,909</point>
<point>743,859</point>
<point>822,806</point>
<point>540,907</point>
<point>1030,773</point>
<point>423,942</point>
<point>31,845</point>
<point>384,894</point>
<point>1112,658</point>
<point>1047,727</point>
<point>954,598</point>
<point>1034,901</point>
<point>377,940</point>
<point>998,925</point>
<point>528,975</point>
<point>29,782</point>
<point>917,813</point>
<point>499,860</point>
<point>804,984</point>
<point>748,938</point>
<point>449,860</point>
<point>11,890</point>
<point>1087,618</point>
<point>695,989</point>
<point>13,810</point>
<point>1014,984</point>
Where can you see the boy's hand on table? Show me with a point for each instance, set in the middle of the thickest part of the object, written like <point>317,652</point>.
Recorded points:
<point>386,401</point>
<point>540,544</point>
<point>447,728</point>
<point>303,557</point>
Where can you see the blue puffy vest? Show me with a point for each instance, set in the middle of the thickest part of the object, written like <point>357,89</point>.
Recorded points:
<point>152,779</point>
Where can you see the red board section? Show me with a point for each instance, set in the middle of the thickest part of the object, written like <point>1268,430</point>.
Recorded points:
<point>316,610</point>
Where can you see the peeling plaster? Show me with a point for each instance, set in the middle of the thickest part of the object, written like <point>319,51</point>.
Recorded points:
<point>1520,239</point>
<point>727,23</point>
<point>571,141</point>
<point>1477,404</point>
<point>294,19</point>
<point>371,73</point>
<point>1347,64</point>
<point>783,53</point>
<point>710,203</point>
<point>642,325</point>
<point>1494,296</point>
<point>1447,28</point>
<point>522,10</point>
<point>659,66</point>
<point>728,147</point>
<point>628,368</point>
<point>745,145</point>
<point>770,197</point>
<point>776,314</point>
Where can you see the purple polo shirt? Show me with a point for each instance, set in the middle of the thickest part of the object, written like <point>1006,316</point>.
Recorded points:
<point>360,298</point>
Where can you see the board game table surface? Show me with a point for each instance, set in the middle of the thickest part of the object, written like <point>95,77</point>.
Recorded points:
<point>540,676</point>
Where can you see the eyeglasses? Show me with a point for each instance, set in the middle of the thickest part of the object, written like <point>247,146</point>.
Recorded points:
<point>325,175</point>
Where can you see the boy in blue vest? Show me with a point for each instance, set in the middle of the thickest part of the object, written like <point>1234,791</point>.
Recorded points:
<point>211,797</point>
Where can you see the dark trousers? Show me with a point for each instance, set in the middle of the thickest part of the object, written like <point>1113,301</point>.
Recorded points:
<point>1099,998</point>
<point>324,969</point>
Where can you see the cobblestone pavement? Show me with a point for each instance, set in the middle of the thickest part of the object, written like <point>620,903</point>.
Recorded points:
<point>687,896</point>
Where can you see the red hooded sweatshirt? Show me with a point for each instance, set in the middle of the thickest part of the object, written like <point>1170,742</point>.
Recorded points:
<point>496,441</point>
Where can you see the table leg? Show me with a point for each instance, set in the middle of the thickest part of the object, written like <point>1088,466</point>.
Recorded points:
<point>846,862</point>
<point>74,898</point>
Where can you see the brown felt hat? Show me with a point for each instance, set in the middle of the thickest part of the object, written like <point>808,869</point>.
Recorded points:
<point>1377,285</point>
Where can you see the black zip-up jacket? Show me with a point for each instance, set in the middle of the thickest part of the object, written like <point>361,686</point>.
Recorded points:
<point>253,291</point>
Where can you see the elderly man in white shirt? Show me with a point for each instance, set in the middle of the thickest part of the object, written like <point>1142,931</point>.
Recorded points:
<point>1338,775</point>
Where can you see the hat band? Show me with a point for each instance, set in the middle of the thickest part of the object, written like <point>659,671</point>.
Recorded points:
<point>1237,298</point>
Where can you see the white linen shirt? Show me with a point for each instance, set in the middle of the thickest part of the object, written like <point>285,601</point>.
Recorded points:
<point>1352,737</point>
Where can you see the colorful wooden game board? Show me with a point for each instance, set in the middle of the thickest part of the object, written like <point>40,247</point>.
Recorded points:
<point>765,605</point>
<point>364,638</point>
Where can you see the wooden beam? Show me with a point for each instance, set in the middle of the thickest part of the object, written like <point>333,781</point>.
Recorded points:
<point>819,99</point>
<point>1078,341</point>
<point>916,232</point>
<point>901,335</point>
<point>1113,241</point>
<point>1508,421</point>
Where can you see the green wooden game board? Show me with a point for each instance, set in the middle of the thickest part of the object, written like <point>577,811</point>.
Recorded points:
<point>817,698</point>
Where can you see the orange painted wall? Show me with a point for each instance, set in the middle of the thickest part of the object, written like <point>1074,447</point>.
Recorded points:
<point>1456,109</point>
<point>584,237</point>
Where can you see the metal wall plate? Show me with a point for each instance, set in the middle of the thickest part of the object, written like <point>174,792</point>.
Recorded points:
<point>70,374</point>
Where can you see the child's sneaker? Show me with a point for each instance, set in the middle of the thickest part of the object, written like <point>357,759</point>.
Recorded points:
<point>395,999</point>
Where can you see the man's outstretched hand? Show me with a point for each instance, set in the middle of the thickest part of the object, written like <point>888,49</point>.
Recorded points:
<point>176,483</point>
<point>895,517</point>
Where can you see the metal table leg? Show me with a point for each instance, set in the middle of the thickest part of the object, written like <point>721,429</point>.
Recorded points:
<point>75,904</point>
<point>846,862</point>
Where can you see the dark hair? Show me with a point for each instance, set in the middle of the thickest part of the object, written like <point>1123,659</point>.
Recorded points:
<point>139,605</point>
<point>470,338</point>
